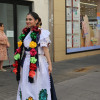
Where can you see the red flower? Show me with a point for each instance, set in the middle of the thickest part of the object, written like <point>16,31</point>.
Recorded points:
<point>33,52</point>
<point>16,64</point>
<point>18,51</point>
<point>31,74</point>
<point>24,30</point>
<point>35,28</point>
<point>33,66</point>
<point>15,70</point>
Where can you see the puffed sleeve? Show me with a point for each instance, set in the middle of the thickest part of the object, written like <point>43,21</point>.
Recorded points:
<point>44,38</point>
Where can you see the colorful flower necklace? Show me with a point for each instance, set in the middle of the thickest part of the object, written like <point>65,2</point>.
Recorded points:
<point>33,47</point>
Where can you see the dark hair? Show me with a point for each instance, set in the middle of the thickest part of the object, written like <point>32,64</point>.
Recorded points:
<point>41,24</point>
<point>1,24</point>
<point>33,14</point>
<point>39,21</point>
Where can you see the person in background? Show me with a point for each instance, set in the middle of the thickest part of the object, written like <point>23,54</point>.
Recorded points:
<point>4,44</point>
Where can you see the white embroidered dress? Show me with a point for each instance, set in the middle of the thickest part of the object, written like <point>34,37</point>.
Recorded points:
<point>26,89</point>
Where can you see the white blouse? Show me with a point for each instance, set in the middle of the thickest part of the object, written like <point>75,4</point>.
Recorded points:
<point>44,40</point>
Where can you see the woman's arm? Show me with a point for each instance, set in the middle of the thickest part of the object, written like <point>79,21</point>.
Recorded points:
<point>46,52</point>
<point>8,44</point>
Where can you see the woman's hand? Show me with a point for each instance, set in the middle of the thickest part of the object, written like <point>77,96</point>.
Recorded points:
<point>8,44</point>
<point>47,55</point>
<point>50,69</point>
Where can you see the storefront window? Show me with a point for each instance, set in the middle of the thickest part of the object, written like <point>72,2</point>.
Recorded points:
<point>82,25</point>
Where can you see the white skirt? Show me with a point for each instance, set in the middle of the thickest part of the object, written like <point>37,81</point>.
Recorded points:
<point>41,86</point>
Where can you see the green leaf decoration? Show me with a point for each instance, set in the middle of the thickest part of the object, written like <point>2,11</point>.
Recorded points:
<point>21,37</point>
<point>33,35</point>
<point>33,60</point>
<point>17,56</point>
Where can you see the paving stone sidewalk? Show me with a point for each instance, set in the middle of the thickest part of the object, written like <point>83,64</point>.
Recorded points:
<point>72,78</point>
<point>86,87</point>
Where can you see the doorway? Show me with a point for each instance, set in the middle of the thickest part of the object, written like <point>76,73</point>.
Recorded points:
<point>13,15</point>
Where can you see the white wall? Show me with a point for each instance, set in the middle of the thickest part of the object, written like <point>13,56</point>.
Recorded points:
<point>41,7</point>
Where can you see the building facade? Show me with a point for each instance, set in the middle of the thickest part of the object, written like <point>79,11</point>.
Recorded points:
<point>74,25</point>
<point>76,28</point>
<point>13,16</point>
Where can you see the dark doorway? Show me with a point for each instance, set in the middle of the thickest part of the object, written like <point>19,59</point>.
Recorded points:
<point>13,14</point>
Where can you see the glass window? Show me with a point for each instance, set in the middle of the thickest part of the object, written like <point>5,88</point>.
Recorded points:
<point>82,25</point>
<point>6,17</point>
<point>22,11</point>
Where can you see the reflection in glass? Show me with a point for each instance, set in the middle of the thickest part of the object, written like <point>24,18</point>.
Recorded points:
<point>85,19</point>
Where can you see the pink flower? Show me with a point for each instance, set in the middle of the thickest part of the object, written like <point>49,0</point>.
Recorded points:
<point>18,51</point>
<point>33,52</point>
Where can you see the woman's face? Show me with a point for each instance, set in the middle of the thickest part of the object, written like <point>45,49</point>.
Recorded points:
<point>2,28</point>
<point>30,21</point>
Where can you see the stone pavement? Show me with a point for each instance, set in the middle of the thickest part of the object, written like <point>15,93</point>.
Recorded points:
<point>86,87</point>
<point>76,79</point>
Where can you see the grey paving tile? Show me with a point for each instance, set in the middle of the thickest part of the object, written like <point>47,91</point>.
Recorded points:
<point>70,85</point>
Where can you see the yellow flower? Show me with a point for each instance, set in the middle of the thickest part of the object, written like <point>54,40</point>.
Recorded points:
<point>19,43</point>
<point>30,98</point>
<point>33,44</point>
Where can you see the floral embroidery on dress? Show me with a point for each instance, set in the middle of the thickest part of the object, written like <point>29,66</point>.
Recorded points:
<point>30,98</point>
<point>43,94</point>
<point>20,94</point>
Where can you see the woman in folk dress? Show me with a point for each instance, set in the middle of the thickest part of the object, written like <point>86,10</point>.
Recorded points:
<point>34,76</point>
